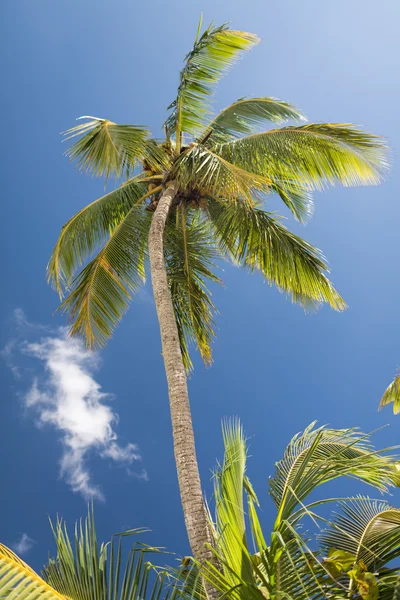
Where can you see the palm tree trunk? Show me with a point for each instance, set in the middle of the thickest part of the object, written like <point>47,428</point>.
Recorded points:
<point>182,428</point>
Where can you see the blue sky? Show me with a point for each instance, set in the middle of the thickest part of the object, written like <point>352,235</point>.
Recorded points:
<point>275,367</point>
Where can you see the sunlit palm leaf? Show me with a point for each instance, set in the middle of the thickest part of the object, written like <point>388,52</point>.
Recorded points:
<point>213,53</point>
<point>19,582</point>
<point>88,229</point>
<point>298,200</point>
<point>392,395</point>
<point>246,115</point>
<point>84,569</point>
<point>189,256</point>
<point>101,292</point>
<point>254,238</point>
<point>311,155</point>
<point>368,529</point>
<point>320,455</point>
<point>199,168</point>
<point>106,147</point>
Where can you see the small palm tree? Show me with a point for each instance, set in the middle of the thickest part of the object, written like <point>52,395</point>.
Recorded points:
<point>189,200</point>
<point>354,556</point>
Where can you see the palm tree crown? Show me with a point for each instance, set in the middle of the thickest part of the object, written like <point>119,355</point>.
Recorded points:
<point>223,168</point>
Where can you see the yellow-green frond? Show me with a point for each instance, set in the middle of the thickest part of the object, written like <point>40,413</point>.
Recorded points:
<point>311,155</point>
<point>88,229</point>
<point>212,54</point>
<point>257,240</point>
<point>392,396</point>
<point>100,294</point>
<point>189,256</point>
<point>245,116</point>
<point>198,167</point>
<point>19,582</point>
<point>106,148</point>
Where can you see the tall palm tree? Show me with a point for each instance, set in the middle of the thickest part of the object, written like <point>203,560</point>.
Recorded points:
<point>351,555</point>
<point>193,198</point>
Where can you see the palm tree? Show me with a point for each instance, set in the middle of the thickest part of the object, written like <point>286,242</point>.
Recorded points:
<point>86,570</point>
<point>348,562</point>
<point>352,557</point>
<point>392,395</point>
<point>189,200</point>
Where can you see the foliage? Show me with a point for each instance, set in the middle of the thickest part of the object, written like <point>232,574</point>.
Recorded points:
<point>225,166</point>
<point>392,395</point>
<point>353,556</point>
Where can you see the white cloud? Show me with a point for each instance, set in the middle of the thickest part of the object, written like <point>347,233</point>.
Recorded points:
<point>68,397</point>
<point>24,544</point>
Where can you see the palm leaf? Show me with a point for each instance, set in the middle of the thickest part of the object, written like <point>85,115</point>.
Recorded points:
<point>368,529</point>
<point>189,256</point>
<point>254,238</point>
<point>84,569</point>
<point>88,229</point>
<point>213,53</point>
<point>319,455</point>
<point>200,168</point>
<point>106,147</point>
<point>19,581</point>
<point>311,155</point>
<point>392,395</point>
<point>246,115</point>
<point>101,292</point>
<point>297,198</point>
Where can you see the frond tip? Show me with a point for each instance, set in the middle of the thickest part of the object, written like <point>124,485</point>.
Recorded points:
<point>392,396</point>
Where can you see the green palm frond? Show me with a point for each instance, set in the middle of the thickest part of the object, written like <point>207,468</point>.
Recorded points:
<point>311,155</point>
<point>213,53</point>
<point>19,582</point>
<point>190,256</point>
<point>198,167</point>
<point>83,569</point>
<point>298,200</point>
<point>368,529</point>
<point>88,229</point>
<point>101,292</point>
<point>319,455</point>
<point>106,148</point>
<point>256,239</point>
<point>392,395</point>
<point>246,115</point>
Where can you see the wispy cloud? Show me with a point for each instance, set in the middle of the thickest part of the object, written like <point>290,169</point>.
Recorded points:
<point>67,397</point>
<point>24,544</point>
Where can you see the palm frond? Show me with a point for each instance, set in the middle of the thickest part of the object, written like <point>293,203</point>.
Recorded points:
<point>256,239</point>
<point>319,455</point>
<point>311,155</point>
<point>213,53</point>
<point>83,569</point>
<point>246,115</point>
<point>101,292</point>
<point>297,198</point>
<point>199,167</point>
<point>19,581</point>
<point>190,256</point>
<point>106,148</point>
<point>88,229</point>
<point>392,395</point>
<point>368,529</point>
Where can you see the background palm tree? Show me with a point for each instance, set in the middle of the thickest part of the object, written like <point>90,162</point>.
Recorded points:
<point>199,197</point>
<point>349,561</point>
<point>351,555</point>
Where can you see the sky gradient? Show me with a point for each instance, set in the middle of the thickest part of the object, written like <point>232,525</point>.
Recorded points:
<point>275,367</point>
